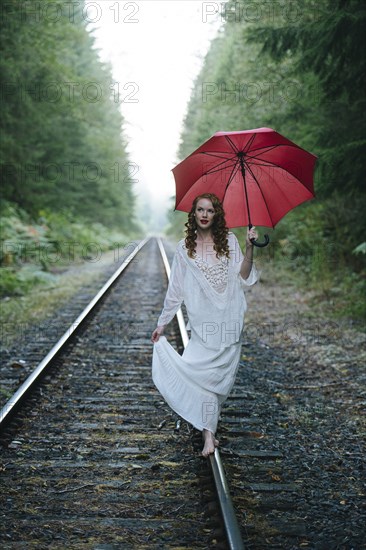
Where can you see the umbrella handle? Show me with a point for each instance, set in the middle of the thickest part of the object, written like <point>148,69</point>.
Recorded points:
<point>261,245</point>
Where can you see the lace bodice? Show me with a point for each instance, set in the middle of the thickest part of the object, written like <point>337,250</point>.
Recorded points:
<point>215,274</point>
<point>188,283</point>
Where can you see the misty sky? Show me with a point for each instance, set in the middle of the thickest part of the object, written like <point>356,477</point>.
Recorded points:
<point>156,48</point>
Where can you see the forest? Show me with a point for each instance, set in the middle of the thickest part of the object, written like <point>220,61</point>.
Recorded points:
<point>66,175</point>
<point>293,66</point>
<point>297,67</point>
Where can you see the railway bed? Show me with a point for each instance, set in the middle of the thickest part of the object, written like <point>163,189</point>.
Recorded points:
<point>96,459</point>
<point>89,464</point>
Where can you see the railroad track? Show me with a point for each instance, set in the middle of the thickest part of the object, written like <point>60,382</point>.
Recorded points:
<point>92,454</point>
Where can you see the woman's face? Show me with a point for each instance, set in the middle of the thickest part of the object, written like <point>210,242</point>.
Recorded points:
<point>204,213</point>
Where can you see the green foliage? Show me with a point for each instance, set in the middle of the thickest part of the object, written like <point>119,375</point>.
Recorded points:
<point>176,221</point>
<point>68,233</point>
<point>299,68</point>
<point>326,41</point>
<point>19,236</point>
<point>18,282</point>
<point>62,132</point>
<point>360,249</point>
<point>31,250</point>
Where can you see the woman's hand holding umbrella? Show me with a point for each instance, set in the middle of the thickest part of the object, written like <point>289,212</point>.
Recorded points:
<point>254,241</point>
<point>252,234</point>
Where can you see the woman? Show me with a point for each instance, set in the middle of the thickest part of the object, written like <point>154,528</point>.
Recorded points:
<point>209,273</point>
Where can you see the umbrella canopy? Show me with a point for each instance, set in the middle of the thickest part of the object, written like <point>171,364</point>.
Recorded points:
<point>259,175</point>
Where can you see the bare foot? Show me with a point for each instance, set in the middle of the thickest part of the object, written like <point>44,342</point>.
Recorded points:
<point>210,443</point>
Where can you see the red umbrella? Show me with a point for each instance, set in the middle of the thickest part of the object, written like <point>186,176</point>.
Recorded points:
<point>259,176</point>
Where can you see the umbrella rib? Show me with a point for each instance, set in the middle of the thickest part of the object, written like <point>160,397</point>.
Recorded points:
<point>262,164</point>
<point>267,148</point>
<point>269,163</point>
<point>294,145</point>
<point>284,196</point>
<point>232,144</point>
<point>263,150</point>
<point>214,154</point>
<point>259,187</point>
<point>216,167</point>
<point>209,152</point>
<point>266,163</point>
<point>249,144</point>
<point>212,171</point>
<point>232,175</point>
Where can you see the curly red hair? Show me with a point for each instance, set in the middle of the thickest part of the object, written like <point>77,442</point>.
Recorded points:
<point>219,227</point>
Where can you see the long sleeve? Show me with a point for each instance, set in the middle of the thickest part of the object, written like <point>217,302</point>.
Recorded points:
<point>238,257</point>
<point>252,279</point>
<point>174,295</point>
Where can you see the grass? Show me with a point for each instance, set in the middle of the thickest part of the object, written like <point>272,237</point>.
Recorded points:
<point>19,312</point>
<point>337,295</point>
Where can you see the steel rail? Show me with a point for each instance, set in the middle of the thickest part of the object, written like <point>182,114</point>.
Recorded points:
<point>14,402</point>
<point>232,529</point>
<point>179,314</point>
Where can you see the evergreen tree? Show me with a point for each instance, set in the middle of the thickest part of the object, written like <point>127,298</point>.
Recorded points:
<point>296,67</point>
<point>62,142</point>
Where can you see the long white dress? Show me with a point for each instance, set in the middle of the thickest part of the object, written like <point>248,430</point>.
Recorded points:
<point>196,383</point>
